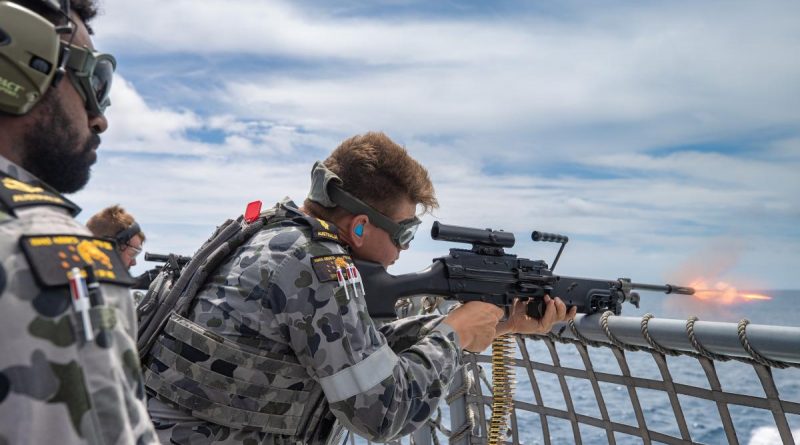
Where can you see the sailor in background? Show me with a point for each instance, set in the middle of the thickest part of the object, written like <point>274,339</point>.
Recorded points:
<point>68,364</point>
<point>115,223</point>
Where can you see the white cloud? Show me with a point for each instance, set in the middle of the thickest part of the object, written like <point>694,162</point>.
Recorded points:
<point>138,127</point>
<point>524,122</point>
<point>686,73</point>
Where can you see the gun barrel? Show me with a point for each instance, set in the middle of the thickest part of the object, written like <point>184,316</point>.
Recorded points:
<point>485,237</point>
<point>667,288</point>
<point>155,257</point>
<point>161,258</point>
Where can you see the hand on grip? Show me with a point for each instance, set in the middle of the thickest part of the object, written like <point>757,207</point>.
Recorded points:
<point>475,323</point>
<point>550,311</point>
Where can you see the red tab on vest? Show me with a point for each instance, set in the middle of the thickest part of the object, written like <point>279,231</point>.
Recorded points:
<point>252,211</point>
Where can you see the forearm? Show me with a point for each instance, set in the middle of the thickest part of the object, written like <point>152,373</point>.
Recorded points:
<point>408,395</point>
<point>403,333</point>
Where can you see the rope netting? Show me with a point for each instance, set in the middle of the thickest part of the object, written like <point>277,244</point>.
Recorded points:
<point>575,389</point>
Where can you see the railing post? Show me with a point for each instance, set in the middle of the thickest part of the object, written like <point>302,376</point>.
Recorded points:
<point>422,436</point>
<point>461,423</point>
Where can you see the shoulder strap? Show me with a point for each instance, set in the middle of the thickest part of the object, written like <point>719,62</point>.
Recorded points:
<point>16,194</point>
<point>320,229</point>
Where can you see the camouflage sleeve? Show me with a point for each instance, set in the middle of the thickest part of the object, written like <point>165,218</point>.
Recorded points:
<point>405,332</point>
<point>55,385</point>
<point>378,391</point>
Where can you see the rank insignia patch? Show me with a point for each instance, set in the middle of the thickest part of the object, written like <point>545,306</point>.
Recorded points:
<point>16,194</point>
<point>52,256</point>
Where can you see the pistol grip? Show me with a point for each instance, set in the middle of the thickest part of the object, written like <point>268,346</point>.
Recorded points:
<point>535,308</point>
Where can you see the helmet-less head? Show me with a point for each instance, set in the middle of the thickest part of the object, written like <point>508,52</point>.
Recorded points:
<point>33,57</point>
<point>50,126</point>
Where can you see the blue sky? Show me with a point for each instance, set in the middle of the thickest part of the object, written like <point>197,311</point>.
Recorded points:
<point>662,137</point>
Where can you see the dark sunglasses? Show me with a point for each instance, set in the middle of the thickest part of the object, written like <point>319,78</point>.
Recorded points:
<point>401,232</point>
<point>92,73</point>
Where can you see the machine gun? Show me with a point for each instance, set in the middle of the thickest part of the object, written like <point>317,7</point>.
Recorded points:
<point>174,263</point>
<point>171,259</point>
<point>486,273</point>
<point>155,281</point>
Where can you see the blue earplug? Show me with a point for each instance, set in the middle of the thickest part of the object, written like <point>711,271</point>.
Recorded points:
<point>359,230</point>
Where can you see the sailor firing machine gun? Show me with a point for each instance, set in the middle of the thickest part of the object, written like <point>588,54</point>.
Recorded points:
<point>487,273</point>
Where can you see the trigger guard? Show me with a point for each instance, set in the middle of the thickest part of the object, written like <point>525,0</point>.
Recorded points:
<point>535,308</point>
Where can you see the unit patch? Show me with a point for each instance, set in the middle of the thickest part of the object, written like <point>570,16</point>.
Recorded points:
<point>326,266</point>
<point>341,269</point>
<point>52,256</point>
<point>15,194</point>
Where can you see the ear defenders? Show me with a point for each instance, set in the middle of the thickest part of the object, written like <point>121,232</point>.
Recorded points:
<point>359,230</point>
<point>126,235</point>
<point>30,52</point>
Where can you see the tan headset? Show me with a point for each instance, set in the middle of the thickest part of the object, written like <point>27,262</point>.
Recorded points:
<point>30,55</point>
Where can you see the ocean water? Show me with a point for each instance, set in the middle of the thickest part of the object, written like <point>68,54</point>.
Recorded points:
<point>753,426</point>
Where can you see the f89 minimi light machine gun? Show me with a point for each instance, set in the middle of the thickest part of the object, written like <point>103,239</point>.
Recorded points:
<point>487,273</point>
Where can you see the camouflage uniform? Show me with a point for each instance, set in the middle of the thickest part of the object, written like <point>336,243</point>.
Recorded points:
<point>312,356</point>
<point>55,387</point>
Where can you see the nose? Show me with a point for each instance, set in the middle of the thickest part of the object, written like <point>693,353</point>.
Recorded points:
<point>98,123</point>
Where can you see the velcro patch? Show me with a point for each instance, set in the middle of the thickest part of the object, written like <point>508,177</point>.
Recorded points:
<point>16,194</point>
<point>52,256</point>
<point>326,266</point>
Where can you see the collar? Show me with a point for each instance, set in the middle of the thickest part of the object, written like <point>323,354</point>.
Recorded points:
<point>16,172</point>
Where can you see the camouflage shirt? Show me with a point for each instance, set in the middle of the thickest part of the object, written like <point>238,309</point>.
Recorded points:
<point>278,295</point>
<point>56,387</point>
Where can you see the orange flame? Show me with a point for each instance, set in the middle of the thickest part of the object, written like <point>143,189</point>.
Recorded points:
<point>723,293</point>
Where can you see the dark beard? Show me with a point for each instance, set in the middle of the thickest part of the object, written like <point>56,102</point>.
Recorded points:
<point>50,149</point>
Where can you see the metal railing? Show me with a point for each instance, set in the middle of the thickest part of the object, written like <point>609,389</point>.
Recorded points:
<point>564,357</point>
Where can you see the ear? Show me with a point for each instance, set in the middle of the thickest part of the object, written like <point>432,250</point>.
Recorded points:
<point>351,230</point>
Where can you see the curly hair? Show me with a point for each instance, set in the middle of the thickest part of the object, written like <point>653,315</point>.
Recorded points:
<point>376,170</point>
<point>85,9</point>
<point>110,221</point>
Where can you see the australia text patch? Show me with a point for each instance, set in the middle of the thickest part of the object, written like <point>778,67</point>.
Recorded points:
<point>15,194</point>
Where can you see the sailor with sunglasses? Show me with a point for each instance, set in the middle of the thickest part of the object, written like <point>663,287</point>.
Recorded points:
<point>68,363</point>
<point>279,346</point>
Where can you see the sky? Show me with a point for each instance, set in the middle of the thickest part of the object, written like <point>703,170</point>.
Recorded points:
<point>662,137</point>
